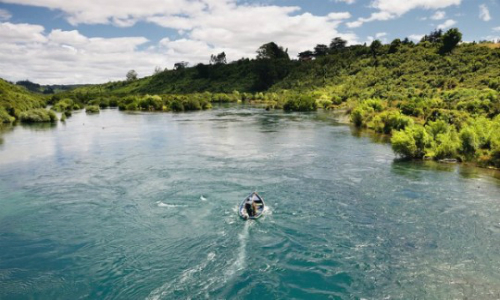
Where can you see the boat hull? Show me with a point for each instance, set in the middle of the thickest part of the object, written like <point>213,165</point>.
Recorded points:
<point>259,201</point>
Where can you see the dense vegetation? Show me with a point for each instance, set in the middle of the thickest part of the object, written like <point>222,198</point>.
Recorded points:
<point>438,99</point>
<point>14,100</point>
<point>38,115</point>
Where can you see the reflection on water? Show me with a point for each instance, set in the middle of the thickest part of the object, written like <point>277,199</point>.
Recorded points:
<point>144,206</point>
<point>39,126</point>
<point>374,137</point>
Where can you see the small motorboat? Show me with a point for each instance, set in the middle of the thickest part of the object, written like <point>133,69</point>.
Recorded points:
<point>252,207</point>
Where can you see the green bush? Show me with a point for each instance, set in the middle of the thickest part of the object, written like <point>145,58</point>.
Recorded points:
<point>387,121</point>
<point>131,106</point>
<point>300,103</point>
<point>469,141</point>
<point>92,109</point>
<point>177,106</point>
<point>151,103</point>
<point>447,145</point>
<point>5,117</point>
<point>38,115</point>
<point>412,142</point>
<point>192,104</point>
<point>361,114</point>
<point>64,104</point>
<point>336,99</point>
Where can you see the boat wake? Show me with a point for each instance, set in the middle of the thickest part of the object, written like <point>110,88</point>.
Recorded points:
<point>240,262</point>
<point>187,277</point>
<point>161,204</point>
<point>200,281</point>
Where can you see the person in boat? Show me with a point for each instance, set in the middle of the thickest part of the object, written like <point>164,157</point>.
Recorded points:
<point>255,208</point>
<point>249,206</point>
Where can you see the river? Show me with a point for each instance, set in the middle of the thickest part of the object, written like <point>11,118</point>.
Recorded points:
<point>144,206</point>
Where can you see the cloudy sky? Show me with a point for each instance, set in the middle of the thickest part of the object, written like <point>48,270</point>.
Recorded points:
<point>96,41</point>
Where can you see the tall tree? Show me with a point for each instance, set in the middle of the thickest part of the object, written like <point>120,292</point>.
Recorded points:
<point>433,37</point>
<point>375,47</point>
<point>450,40</point>
<point>131,75</point>
<point>338,44</point>
<point>320,50</point>
<point>218,59</point>
<point>395,45</point>
<point>181,65</point>
<point>272,51</point>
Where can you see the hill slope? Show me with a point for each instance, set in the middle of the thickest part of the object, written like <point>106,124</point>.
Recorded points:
<point>15,99</point>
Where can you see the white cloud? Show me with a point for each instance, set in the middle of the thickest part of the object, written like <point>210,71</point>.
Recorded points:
<point>339,15</point>
<point>119,12</point>
<point>380,35</point>
<point>496,28</point>
<point>378,16</point>
<point>346,1</point>
<point>221,25</point>
<point>438,15</point>
<point>416,37</point>
<point>447,24</point>
<point>69,57</point>
<point>484,13</point>
<point>4,15</point>
<point>21,33</point>
<point>391,9</point>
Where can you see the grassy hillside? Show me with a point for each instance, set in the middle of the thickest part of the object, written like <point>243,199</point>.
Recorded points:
<point>15,99</point>
<point>220,78</point>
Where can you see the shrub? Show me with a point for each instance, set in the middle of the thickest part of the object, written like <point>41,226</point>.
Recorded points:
<point>192,104</point>
<point>5,117</point>
<point>387,121</point>
<point>469,141</point>
<point>131,106</point>
<point>411,142</point>
<point>300,103</point>
<point>324,103</point>
<point>336,99</point>
<point>151,103</point>
<point>92,109</point>
<point>176,105</point>
<point>38,115</point>
<point>361,114</point>
<point>64,104</point>
<point>447,144</point>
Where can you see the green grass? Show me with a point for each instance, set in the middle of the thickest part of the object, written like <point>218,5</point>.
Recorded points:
<point>15,99</point>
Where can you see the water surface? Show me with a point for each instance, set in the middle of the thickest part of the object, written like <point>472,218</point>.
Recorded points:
<point>143,206</point>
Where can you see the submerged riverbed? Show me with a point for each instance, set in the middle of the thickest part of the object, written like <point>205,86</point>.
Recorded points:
<point>143,206</point>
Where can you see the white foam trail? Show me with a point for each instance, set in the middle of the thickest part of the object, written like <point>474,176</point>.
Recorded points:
<point>203,198</point>
<point>194,280</point>
<point>240,262</point>
<point>186,276</point>
<point>161,204</point>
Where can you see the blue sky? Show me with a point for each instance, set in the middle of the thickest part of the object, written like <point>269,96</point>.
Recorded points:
<point>62,42</point>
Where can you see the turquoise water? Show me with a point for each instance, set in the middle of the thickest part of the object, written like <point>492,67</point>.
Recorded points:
<point>143,206</point>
